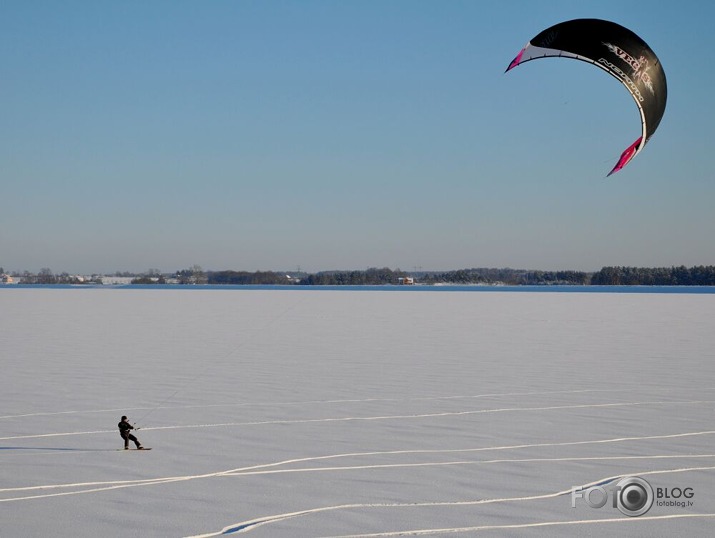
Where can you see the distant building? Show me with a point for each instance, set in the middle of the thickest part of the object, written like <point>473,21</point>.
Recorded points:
<point>117,280</point>
<point>6,279</point>
<point>406,281</point>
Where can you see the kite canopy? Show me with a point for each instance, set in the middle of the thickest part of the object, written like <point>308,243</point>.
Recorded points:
<point>616,50</point>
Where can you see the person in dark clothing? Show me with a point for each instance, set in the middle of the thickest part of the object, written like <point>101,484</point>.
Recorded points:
<point>124,429</point>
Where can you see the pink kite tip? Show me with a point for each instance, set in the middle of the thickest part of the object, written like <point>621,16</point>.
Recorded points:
<point>516,61</point>
<point>626,156</point>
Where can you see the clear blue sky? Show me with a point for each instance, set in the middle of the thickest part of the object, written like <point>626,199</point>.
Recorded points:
<point>267,135</point>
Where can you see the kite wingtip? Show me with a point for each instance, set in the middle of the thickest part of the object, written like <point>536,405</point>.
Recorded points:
<point>516,61</point>
<point>626,156</point>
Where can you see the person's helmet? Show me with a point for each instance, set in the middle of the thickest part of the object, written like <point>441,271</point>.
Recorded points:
<point>124,418</point>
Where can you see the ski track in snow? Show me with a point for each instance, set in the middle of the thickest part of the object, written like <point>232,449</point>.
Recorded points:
<point>541,524</point>
<point>33,493</point>
<point>337,401</point>
<point>48,491</point>
<point>261,468</point>
<point>266,520</point>
<point>376,417</point>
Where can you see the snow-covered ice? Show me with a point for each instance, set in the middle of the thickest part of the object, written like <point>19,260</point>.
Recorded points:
<point>290,413</point>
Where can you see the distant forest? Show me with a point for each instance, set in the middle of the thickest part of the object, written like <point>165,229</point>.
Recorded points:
<point>666,276</point>
<point>607,276</point>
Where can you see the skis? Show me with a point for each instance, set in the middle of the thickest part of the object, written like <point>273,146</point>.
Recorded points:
<point>143,448</point>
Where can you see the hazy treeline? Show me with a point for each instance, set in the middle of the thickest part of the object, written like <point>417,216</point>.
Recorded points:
<point>607,276</point>
<point>246,278</point>
<point>46,276</point>
<point>663,276</point>
<point>381,276</point>
<point>508,276</point>
<point>368,277</point>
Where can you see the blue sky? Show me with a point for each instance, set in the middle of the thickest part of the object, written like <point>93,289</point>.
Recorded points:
<point>271,135</point>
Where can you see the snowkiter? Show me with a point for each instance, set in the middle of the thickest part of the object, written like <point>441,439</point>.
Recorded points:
<point>124,429</point>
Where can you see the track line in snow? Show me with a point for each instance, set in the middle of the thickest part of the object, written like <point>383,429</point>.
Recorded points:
<point>265,520</point>
<point>255,469</point>
<point>61,434</point>
<point>350,400</point>
<point>456,530</point>
<point>335,401</point>
<point>377,417</point>
<point>467,462</point>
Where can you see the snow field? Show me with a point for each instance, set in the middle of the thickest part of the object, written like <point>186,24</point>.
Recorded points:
<point>351,413</point>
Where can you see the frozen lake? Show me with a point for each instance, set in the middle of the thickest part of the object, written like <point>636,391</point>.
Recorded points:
<point>310,413</point>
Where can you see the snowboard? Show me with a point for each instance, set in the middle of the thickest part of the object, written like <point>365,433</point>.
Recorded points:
<point>128,449</point>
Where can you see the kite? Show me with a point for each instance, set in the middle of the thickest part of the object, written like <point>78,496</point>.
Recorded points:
<point>619,52</point>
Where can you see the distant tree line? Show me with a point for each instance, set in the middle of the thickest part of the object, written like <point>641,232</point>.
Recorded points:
<point>369,277</point>
<point>662,276</point>
<point>607,276</point>
<point>245,278</point>
<point>46,276</point>
<point>513,277</point>
<point>195,275</point>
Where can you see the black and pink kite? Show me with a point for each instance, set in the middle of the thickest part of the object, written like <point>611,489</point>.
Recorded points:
<point>617,51</point>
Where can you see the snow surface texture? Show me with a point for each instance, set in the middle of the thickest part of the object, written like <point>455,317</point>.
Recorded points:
<point>334,413</point>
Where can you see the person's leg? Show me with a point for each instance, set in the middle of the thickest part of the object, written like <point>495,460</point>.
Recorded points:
<point>136,441</point>
<point>126,441</point>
